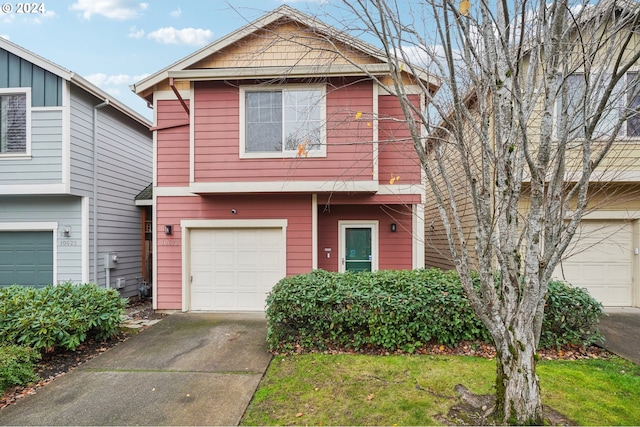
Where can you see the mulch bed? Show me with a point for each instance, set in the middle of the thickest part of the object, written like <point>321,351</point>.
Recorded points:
<point>487,351</point>
<point>59,362</point>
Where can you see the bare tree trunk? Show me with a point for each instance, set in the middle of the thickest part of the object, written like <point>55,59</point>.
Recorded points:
<point>517,387</point>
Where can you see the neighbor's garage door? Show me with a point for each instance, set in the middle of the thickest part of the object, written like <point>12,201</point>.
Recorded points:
<point>601,260</point>
<point>233,269</point>
<point>26,258</point>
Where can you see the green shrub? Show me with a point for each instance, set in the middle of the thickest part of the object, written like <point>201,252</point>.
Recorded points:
<point>17,366</point>
<point>571,316</point>
<point>58,316</point>
<point>401,310</point>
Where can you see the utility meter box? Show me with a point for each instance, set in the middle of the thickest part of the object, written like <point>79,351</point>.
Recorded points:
<point>111,260</point>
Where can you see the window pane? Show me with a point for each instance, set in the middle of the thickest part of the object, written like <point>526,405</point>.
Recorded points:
<point>264,122</point>
<point>571,115</point>
<point>13,123</point>
<point>612,113</point>
<point>303,125</point>
<point>633,123</point>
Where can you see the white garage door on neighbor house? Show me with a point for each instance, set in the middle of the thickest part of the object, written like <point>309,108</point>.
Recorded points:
<point>600,258</point>
<point>233,269</point>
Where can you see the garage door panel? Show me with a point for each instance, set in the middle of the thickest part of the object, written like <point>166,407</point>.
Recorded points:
<point>27,258</point>
<point>601,260</point>
<point>244,266</point>
<point>223,258</point>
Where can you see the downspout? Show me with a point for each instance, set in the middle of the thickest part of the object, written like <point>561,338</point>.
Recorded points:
<point>95,189</point>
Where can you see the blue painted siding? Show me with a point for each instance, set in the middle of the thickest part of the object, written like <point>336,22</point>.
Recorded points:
<point>124,169</point>
<point>66,211</point>
<point>16,72</point>
<point>45,164</point>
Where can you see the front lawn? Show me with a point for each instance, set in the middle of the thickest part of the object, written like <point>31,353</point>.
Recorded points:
<point>324,389</point>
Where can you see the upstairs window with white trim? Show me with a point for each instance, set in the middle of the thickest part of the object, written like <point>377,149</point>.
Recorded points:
<point>14,122</point>
<point>575,113</point>
<point>633,122</point>
<point>283,122</point>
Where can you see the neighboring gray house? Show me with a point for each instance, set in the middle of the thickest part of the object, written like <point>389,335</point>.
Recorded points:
<point>69,154</point>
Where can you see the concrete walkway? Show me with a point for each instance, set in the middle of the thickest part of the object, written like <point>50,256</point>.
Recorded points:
<point>189,369</point>
<point>621,329</point>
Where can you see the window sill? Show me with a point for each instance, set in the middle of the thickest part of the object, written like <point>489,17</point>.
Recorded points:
<point>285,155</point>
<point>20,156</point>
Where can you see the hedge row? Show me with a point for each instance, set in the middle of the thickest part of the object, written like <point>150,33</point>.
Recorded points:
<point>58,316</point>
<point>404,310</point>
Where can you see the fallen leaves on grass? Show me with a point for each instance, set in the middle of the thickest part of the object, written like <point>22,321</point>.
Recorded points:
<point>478,349</point>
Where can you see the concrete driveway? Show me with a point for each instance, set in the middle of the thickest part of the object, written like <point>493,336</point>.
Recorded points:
<point>189,369</point>
<point>621,329</point>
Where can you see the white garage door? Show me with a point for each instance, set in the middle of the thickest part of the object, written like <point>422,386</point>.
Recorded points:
<point>600,259</point>
<point>233,269</point>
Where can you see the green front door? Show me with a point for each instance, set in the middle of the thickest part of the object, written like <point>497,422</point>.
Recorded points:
<point>358,254</point>
<point>358,245</point>
<point>26,258</point>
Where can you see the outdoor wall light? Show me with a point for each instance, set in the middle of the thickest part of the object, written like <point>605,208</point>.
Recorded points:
<point>233,211</point>
<point>168,230</point>
<point>66,231</point>
<point>394,227</point>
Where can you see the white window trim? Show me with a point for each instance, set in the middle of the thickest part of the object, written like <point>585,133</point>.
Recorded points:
<point>375,248</point>
<point>27,92</point>
<point>322,152</point>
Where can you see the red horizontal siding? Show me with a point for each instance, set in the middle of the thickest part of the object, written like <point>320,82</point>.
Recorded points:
<point>374,199</point>
<point>394,248</point>
<point>217,139</point>
<point>396,155</point>
<point>171,210</point>
<point>172,145</point>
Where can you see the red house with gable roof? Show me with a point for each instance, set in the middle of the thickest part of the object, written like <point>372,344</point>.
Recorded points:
<point>278,149</point>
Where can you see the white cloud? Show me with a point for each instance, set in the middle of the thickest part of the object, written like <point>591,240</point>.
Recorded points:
<point>113,9</point>
<point>186,36</point>
<point>108,82</point>
<point>7,18</point>
<point>37,18</point>
<point>135,33</point>
<point>176,13</point>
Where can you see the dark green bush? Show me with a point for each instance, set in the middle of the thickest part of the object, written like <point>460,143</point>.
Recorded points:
<point>571,316</point>
<point>401,310</point>
<point>17,366</point>
<point>58,316</point>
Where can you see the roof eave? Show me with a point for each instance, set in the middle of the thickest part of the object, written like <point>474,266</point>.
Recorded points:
<point>89,87</point>
<point>264,21</point>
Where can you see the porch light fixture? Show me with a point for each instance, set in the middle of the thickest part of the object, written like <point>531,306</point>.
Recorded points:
<point>66,231</point>
<point>394,227</point>
<point>168,230</point>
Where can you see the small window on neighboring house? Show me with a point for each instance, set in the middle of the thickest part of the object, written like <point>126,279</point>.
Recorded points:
<point>285,122</point>
<point>633,122</point>
<point>13,123</point>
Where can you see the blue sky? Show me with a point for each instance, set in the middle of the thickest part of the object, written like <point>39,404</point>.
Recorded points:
<point>114,43</point>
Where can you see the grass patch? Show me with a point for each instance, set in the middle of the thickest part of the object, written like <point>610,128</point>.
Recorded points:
<point>321,389</point>
<point>593,392</point>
